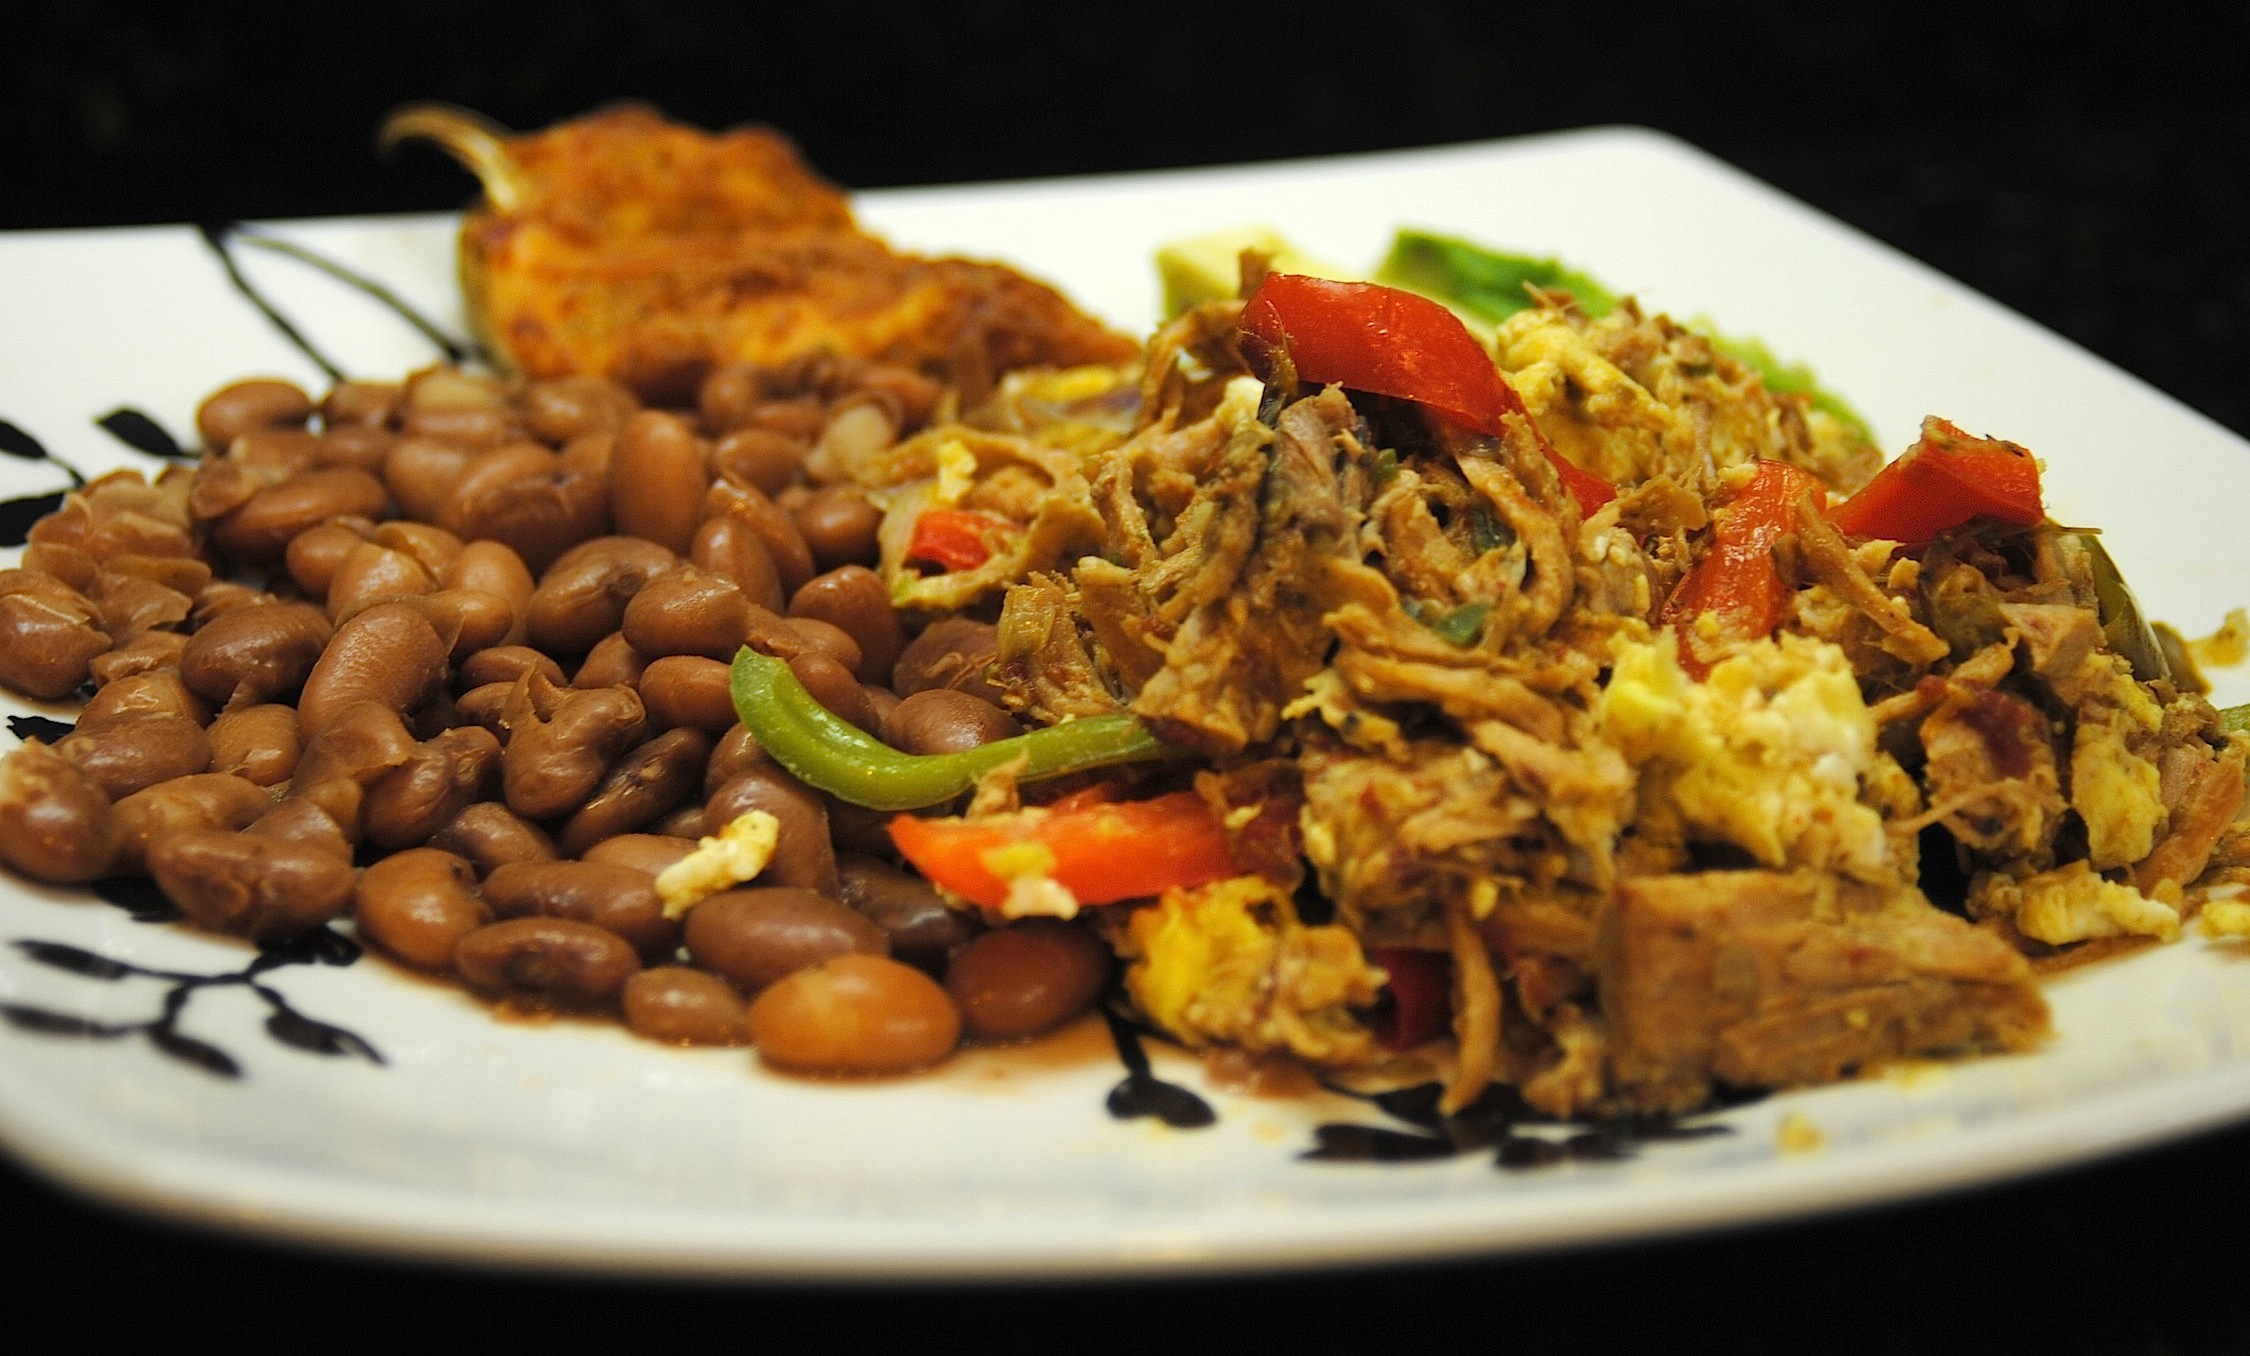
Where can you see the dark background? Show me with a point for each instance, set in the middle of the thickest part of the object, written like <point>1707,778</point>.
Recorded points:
<point>2089,168</point>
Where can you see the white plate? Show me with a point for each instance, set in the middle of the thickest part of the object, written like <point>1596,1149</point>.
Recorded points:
<point>574,1145</point>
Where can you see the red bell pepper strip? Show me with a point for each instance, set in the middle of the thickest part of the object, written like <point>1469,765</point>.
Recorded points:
<point>956,539</point>
<point>1388,342</point>
<point>1943,481</point>
<point>1421,995</point>
<point>1735,578</point>
<point>1101,853</point>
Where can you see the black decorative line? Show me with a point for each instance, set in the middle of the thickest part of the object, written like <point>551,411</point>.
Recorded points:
<point>44,728</point>
<point>455,350</point>
<point>143,434</point>
<point>139,897</point>
<point>15,442</point>
<point>1143,1093</point>
<point>284,1023</point>
<point>18,516</point>
<point>1490,1125</point>
<point>215,236</point>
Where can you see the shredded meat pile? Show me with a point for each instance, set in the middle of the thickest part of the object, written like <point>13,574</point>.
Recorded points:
<point>1649,887</point>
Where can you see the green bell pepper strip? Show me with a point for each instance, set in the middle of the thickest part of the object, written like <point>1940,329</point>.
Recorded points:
<point>829,753</point>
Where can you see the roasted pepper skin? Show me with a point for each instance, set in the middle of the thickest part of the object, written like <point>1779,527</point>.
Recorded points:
<point>1367,337</point>
<point>1944,480</point>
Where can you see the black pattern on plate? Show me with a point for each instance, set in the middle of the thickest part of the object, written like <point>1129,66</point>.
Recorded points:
<point>283,1023</point>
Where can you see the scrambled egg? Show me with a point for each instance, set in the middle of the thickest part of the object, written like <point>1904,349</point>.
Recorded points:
<point>2115,790</point>
<point>2073,904</point>
<point>1769,753</point>
<point>1229,964</point>
<point>737,853</point>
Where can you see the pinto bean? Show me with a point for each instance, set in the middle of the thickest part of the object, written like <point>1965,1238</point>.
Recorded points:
<point>250,885</point>
<point>389,654</point>
<point>552,765</point>
<point>360,743</point>
<point>466,620</point>
<point>156,693</point>
<point>803,856</point>
<point>657,479</point>
<point>582,596</point>
<point>487,704</point>
<point>833,686</point>
<point>457,406</point>
<point>649,853</point>
<point>923,929</point>
<point>505,664</point>
<point>431,546</point>
<point>181,574</point>
<point>940,720</point>
<point>203,800</point>
<point>260,531</point>
<point>56,823</point>
<point>369,403</point>
<point>250,406</point>
<point>521,494</point>
<point>617,898</point>
<point>314,555</point>
<point>50,562</point>
<point>758,457</point>
<point>686,822</point>
<point>687,610</point>
<point>131,604</point>
<point>840,524</point>
<point>853,599</point>
<point>125,755</point>
<point>1026,978</point>
<point>420,473</point>
<point>50,635</point>
<point>689,691</point>
<point>856,1014</point>
<point>728,547</point>
<point>800,417</point>
<point>371,573</point>
<point>260,744</point>
<point>548,962</point>
<point>490,834</point>
<point>954,652</point>
<point>439,779</point>
<point>253,654</point>
<point>417,905</point>
<point>680,1005</point>
<point>323,818</point>
<point>560,409</point>
<point>613,662</point>
<point>787,637</point>
<point>144,653</point>
<point>728,394</point>
<point>640,787</point>
<point>494,568</point>
<point>756,936</point>
<point>361,447</point>
<point>736,752</point>
<point>775,529</point>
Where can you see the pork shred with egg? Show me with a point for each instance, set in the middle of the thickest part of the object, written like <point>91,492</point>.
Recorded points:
<point>1653,877</point>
